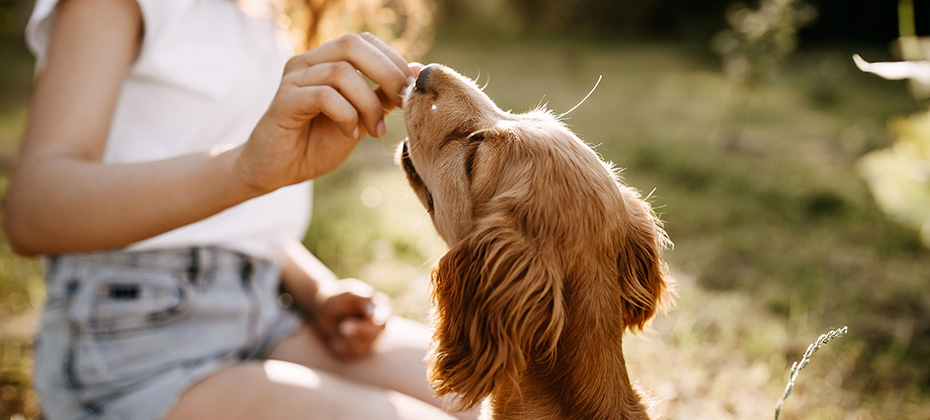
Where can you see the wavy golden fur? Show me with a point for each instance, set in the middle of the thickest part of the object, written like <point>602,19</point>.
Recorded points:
<point>551,257</point>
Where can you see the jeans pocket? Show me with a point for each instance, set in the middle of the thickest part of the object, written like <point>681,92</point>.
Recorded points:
<point>123,321</point>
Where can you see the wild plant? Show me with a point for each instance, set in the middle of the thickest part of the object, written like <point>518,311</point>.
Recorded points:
<point>797,366</point>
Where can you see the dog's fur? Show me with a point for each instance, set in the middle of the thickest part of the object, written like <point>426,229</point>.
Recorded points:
<point>551,258</point>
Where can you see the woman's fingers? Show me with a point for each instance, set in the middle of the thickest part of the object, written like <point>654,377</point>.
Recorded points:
<point>350,84</point>
<point>356,337</point>
<point>365,313</point>
<point>386,49</point>
<point>309,101</point>
<point>389,72</point>
<point>386,103</point>
<point>415,68</point>
<point>324,96</point>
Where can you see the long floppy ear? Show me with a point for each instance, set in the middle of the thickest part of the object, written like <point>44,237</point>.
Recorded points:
<point>498,304</point>
<point>642,272</point>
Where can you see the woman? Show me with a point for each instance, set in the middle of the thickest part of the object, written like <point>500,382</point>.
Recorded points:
<point>163,172</point>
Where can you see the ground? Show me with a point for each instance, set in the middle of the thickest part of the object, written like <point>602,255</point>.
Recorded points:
<point>777,239</point>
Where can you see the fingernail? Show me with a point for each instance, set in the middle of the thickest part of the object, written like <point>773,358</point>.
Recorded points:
<point>370,309</point>
<point>382,130</point>
<point>380,313</point>
<point>348,328</point>
<point>355,132</point>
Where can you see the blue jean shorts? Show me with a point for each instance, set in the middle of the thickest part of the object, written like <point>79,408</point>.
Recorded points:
<point>123,334</point>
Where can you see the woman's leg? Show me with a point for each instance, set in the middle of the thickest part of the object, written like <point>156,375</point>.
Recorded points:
<point>282,390</point>
<point>398,363</point>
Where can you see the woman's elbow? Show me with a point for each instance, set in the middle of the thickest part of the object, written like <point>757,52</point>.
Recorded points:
<point>20,230</point>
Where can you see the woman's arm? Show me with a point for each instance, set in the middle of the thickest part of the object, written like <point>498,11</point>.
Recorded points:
<point>63,199</point>
<point>348,314</point>
<point>303,275</point>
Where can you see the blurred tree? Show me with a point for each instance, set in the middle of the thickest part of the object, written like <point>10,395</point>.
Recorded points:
<point>846,21</point>
<point>405,24</point>
<point>759,39</point>
<point>838,20</point>
<point>665,18</point>
<point>752,49</point>
<point>899,176</point>
<point>13,16</point>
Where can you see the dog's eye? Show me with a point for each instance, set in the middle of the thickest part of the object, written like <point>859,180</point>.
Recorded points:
<point>456,136</point>
<point>474,141</point>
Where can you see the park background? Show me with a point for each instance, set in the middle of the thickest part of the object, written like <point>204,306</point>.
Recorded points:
<point>793,185</point>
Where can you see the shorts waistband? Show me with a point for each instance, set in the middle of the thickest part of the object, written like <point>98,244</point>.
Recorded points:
<point>187,257</point>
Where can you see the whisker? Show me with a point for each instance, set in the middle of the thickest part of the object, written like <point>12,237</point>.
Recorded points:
<point>585,98</point>
<point>648,196</point>
<point>399,113</point>
<point>542,105</point>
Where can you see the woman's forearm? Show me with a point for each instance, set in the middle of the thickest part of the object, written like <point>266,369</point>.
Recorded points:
<point>62,198</point>
<point>303,275</point>
<point>61,203</point>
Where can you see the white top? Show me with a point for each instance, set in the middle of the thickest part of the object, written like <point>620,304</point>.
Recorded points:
<point>206,73</point>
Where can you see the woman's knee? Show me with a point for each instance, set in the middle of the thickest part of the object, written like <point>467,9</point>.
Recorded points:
<point>283,390</point>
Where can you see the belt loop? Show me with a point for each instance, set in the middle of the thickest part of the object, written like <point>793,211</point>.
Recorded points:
<point>193,266</point>
<point>51,265</point>
<point>247,268</point>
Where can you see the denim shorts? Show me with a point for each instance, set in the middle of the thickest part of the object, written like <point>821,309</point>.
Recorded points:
<point>123,334</point>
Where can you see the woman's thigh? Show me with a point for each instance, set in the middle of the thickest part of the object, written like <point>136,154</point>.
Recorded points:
<point>398,363</point>
<point>283,390</point>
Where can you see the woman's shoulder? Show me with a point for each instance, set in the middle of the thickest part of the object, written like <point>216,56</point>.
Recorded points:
<point>156,15</point>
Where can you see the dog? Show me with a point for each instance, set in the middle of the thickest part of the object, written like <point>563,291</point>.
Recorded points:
<point>551,258</point>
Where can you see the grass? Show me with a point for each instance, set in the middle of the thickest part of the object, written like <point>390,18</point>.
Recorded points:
<point>776,237</point>
<point>805,360</point>
<point>21,289</point>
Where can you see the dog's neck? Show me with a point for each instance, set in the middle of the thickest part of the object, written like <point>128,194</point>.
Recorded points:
<point>587,380</point>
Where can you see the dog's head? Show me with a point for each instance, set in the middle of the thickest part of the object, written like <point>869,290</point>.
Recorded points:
<point>531,215</point>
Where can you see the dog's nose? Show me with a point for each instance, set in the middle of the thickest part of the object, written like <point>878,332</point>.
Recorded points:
<point>423,77</point>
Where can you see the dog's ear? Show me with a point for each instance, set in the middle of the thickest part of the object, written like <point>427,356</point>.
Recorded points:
<point>642,272</point>
<point>498,305</point>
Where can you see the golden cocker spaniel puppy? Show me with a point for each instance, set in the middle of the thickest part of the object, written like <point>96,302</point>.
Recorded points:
<point>551,258</point>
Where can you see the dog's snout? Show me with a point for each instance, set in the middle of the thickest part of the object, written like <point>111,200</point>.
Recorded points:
<point>423,77</point>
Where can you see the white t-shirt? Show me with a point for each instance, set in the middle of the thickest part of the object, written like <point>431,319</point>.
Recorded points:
<point>205,75</point>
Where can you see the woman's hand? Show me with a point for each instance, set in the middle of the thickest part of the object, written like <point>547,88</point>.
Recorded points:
<point>350,316</point>
<point>322,108</point>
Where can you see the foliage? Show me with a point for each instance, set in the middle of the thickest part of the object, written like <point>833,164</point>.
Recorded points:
<point>683,20</point>
<point>899,176</point>
<point>783,222</point>
<point>17,399</point>
<point>777,241</point>
<point>759,39</point>
<point>797,366</point>
<point>752,50</point>
<point>407,25</point>
<point>608,19</point>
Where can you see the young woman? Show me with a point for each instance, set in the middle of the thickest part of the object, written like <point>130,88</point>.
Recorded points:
<point>163,173</point>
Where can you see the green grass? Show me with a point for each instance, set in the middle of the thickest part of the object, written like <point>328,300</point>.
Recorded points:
<point>805,360</point>
<point>778,225</point>
<point>21,290</point>
<point>776,237</point>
